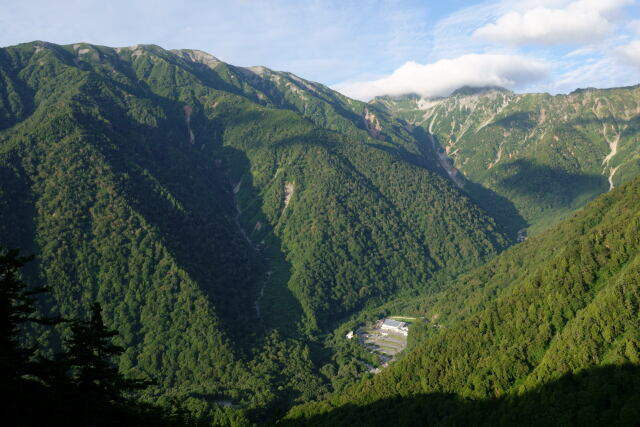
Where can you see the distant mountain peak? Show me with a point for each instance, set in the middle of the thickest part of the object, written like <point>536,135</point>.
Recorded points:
<point>461,91</point>
<point>195,55</point>
<point>477,90</point>
<point>404,97</point>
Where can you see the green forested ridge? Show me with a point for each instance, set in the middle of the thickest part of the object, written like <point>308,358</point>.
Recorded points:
<point>548,155</point>
<point>218,214</point>
<point>546,333</point>
<point>234,222</point>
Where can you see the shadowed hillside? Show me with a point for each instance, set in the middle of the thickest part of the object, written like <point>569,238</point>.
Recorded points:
<point>560,304</point>
<point>224,217</point>
<point>605,396</point>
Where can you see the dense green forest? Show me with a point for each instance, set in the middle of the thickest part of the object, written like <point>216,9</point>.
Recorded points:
<point>225,218</point>
<point>547,333</point>
<point>547,155</point>
<point>213,232</point>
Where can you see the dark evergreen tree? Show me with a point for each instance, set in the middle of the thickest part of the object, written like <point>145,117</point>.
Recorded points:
<point>16,309</point>
<point>92,382</point>
<point>90,358</point>
<point>81,386</point>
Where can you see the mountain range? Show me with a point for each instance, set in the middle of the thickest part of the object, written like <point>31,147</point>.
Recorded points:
<point>547,155</point>
<point>234,222</point>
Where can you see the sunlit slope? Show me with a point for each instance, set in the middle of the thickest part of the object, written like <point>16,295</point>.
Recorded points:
<point>543,319</point>
<point>548,155</point>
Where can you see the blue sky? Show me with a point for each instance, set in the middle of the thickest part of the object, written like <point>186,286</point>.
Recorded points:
<point>367,48</point>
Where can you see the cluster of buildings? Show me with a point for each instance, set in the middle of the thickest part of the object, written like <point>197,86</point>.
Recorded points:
<point>386,326</point>
<point>386,338</point>
<point>395,326</point>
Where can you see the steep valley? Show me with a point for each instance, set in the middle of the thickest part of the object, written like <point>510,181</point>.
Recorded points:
<point>235,223</point>
<point>225,218</point>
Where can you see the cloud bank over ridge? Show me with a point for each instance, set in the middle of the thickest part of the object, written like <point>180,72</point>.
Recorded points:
<point>443,77</point>
<point>551,46</point>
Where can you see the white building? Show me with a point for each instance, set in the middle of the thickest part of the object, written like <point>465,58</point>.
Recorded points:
<point>395,326</point>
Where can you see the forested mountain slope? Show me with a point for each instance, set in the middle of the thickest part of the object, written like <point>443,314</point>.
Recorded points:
<point>548,155</point>
<point>546,333</point>
<point>206,205</point>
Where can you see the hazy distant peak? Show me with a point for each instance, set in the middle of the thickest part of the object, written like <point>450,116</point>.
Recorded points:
<point>405,97</point>
<point>461,91</point>
<point>471,90</point>
<point>582,90</point>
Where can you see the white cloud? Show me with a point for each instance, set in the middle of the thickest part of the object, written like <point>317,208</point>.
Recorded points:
<point>589,50</point>
<point>577,22</point>
<point>443,77</point>
<point>590,73</point>
<point>451,35</point>
<point>635,26</point>
<point>630,52</point>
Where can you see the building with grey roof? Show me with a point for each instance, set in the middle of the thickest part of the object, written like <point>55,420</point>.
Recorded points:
<point>396,326</point>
